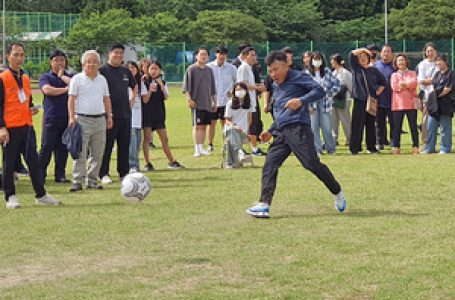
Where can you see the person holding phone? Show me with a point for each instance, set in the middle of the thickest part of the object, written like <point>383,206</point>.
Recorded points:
<point>54,86</point>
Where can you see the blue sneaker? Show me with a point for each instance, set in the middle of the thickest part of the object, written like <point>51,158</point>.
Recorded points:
<point>340,202</point>
<point>260,210</point>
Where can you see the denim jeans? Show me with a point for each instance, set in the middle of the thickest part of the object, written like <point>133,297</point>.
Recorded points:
<point>135,144</point>
<point>322,120</point>
<point>445,122</point>
<point>234,141</point>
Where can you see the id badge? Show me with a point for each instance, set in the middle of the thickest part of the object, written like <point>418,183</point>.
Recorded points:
<point>22,96</point>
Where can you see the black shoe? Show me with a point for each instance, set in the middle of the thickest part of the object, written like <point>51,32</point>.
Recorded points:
<point>94,186</point>
<point>62,180</point>
<point>76,187</point>
<point>22,171</point>
<point>175,165</point>
<point>149,167</point>
<point>380,147</point>
<point>259,152</point>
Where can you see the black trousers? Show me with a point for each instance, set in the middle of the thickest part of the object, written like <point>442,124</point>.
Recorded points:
<point>398,117</point>
<point>381,130</point>
<point>360,120</point>
<point>298,139</point>
<point>51,141</point>
<point>22,140</point>
<point>120,132</point>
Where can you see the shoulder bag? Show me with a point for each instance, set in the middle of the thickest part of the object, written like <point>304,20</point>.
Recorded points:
<point>372,102</point>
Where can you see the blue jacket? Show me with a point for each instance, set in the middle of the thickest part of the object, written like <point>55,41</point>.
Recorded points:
<point>296,85</point>
<point>385,99</point>
<point>72,138</point>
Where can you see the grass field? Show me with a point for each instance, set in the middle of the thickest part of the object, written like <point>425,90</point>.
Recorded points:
<point>191,239</point>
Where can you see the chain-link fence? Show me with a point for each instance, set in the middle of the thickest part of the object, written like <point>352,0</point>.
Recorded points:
<point>175,57</point>
<point>43,22</point>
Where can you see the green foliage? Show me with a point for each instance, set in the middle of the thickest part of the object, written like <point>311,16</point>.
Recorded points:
<point>371,28</point>
<point>228,26</point>
<point>163,27</point>
<point>102,29</point>
<point>60,6</point>
<point>287,21</point>
<point>424,19</point>
<point>344,10</point>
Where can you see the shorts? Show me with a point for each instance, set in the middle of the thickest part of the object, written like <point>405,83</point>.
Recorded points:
<point>219,114</point>
<point>201,117</point>
<point>155,125</point>
<point>256,123</point>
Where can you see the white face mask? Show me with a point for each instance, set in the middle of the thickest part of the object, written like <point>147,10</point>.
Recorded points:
<point>240,93</point>
<point>317,63</point>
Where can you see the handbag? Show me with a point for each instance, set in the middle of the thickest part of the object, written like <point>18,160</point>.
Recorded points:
<point>372,102</point>
<point>339,99</point>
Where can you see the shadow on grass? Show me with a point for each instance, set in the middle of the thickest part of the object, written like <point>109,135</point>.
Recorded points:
<point>369,213</point>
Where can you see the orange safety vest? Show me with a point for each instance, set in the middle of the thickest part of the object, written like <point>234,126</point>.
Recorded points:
<point>15,113</point>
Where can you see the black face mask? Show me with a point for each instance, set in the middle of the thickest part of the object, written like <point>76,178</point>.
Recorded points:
<point>373,55</point>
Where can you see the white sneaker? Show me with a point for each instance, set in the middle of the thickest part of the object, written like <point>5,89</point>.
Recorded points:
<point>106,179</point>
<point>46,200</point>
<point>241,155</point>
<point>197,154</point>
<point>205,152</point>
<point>13,202</point>
<point>340,202</point>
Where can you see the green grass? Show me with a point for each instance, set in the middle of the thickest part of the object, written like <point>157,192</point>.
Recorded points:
<point>191,239</point>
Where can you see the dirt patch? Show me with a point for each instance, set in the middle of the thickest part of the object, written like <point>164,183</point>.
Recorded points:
<point>60,268</point>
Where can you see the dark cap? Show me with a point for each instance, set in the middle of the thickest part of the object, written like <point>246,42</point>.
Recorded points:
<point>56,53</point>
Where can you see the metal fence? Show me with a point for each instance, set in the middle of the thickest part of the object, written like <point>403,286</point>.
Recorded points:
<point>176,57</point>
<point>42,21</point>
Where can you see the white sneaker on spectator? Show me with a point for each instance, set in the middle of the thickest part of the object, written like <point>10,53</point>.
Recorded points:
<point>205,152</point>
<point>46,200</point>
<point>13,202</point>
<point>197,154</point>
<point>106,179</point>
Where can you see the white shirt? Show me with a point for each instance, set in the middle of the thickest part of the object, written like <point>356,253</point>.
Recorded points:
<point>89,93</point>
<point>224,80</point>
<point>238,116</point>
<point>245,74</point>
<point>136,111</point>
<point>426,69</point>
<point>345,78</point>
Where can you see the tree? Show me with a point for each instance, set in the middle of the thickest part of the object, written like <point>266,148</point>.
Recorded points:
<point>293,20</point>
<point>163,27</point>
<point>370,29</point>
<point>64,6</point>
<point>102,29</point>
<point>424,19</point>
<point>343,10</point>
<point>228,26</point>
<point>135,7</point>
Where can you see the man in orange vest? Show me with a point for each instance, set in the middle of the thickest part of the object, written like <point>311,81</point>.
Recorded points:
<point>16,128</point>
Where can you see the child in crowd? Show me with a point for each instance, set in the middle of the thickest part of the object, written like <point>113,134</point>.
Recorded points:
<point>154,115</point>
<point>237,123</point>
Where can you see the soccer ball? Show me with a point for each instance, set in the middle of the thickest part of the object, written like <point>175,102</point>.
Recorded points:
<point>135,187</point>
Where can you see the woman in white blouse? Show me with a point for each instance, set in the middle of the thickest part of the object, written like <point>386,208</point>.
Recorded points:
<point>342,109</point>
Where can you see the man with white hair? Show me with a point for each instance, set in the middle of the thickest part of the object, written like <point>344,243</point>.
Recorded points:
<point>89,104</point>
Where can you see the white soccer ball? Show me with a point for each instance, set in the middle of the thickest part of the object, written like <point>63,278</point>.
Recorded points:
<point>135,187</point>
